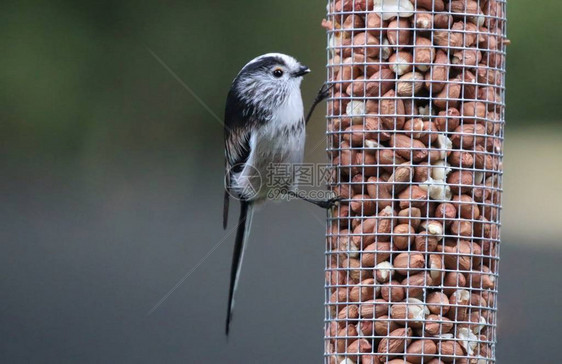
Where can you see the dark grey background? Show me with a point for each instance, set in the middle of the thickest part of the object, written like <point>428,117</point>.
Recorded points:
<point>111,187</point>
<point>84,257</point>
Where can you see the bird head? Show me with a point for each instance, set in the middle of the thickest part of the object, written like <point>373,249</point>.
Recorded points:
<point>269,79</point>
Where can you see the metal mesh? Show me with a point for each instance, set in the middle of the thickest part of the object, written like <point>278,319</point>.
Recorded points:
<point>415,137</point>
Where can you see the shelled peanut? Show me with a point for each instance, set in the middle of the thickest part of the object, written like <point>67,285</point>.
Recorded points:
<point>415,138</point>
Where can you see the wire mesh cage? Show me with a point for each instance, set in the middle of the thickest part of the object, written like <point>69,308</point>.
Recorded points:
<point>415,136</point>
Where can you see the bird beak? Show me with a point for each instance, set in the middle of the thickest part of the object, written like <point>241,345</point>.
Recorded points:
<point>303,70</point>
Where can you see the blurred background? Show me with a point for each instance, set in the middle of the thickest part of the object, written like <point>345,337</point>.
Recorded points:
<point>112,186</point>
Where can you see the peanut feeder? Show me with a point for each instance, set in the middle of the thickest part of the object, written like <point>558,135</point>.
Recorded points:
<point>415,137</point>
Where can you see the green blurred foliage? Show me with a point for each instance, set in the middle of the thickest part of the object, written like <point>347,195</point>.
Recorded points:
<point>533,85</point>
<point>78,78</point>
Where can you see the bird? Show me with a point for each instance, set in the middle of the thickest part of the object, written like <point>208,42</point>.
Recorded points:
<point>264,125</point>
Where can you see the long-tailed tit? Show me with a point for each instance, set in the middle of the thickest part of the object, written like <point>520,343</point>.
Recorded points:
<point>264,126</point>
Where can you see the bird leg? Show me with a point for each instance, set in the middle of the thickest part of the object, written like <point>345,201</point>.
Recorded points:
<point>324,204</point>
<point>322,95</point>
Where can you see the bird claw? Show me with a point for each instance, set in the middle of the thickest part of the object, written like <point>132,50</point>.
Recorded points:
<point>328,204</point>
<point>324,91</point>
<point>334,201</point>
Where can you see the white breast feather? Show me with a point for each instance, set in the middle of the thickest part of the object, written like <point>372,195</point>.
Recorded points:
<point>270,144</point>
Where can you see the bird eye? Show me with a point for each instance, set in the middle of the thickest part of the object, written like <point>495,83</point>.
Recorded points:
<point>277,73</point>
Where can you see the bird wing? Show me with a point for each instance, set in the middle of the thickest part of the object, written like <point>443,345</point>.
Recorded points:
<point>238,124</point>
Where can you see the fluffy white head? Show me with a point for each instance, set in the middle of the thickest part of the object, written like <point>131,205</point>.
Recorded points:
<point>267,81</point>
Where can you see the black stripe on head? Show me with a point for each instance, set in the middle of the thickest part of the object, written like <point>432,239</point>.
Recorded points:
<point>264,64</point>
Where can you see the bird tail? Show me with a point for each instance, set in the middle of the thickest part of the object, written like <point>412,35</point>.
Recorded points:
<point>242,233</point>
